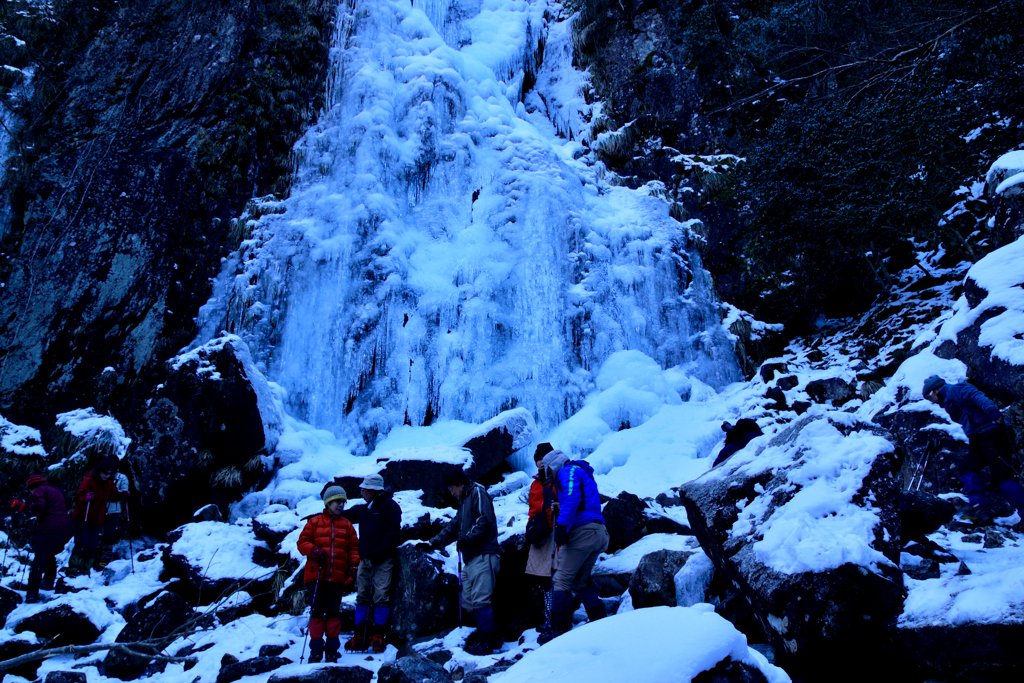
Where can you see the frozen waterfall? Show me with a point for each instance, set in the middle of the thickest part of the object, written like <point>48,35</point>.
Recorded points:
<point>450,248</point>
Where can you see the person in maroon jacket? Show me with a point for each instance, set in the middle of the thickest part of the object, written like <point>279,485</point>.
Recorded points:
<point>53,529</point>
<point>96,490</point>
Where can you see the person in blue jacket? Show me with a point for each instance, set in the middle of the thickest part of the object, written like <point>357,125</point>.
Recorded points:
<point>990,444</point>
<point>580,535</point>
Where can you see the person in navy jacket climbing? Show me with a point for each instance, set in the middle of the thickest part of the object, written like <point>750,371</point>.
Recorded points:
<point>580,535</point>
<point>990,443</point>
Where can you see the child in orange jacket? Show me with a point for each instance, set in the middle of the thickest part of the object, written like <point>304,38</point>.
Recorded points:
<point>331,547</point>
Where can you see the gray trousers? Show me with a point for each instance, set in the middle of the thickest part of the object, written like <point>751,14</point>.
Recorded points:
<point>373,582</point>
<point>478,577</point>
<point>577,557</point>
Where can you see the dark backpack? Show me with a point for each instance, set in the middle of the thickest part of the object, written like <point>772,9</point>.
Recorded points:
<point>538,528</point>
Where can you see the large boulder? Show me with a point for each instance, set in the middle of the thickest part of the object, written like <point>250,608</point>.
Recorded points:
<point>8,601</point>
<point>217,559</point>
<point>833,390</point>
<point>158,618</point>
<point>964,652</point>
<point>922,513</point>
<point>986,323</point>
<point>653,582</point>
<point>482,456</point>
<point>1004,190</point>
<point>807,528</point>
<point>625,520</point>
<point>424,599</point>
<point>74,619</point>
<point>205,434</point>
<point>251,667</point>
<point>413,669</point>
<point>930,454</point>
<point>325,674</point>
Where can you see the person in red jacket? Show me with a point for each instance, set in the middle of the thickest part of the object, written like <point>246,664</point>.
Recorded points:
<point>331,547</point>
<point>90,511</point>
<point>53,529</point>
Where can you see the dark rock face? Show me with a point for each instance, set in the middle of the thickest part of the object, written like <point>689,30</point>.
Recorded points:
<point>484,674</point>
<point>61,625</point>
<point>652,584</point>
<point>151,125</point>
<point>272,650</point>
<point>970,652</point>
<point>167,612</point>
<point>328,674</point>
<point>922,513</point>
<point>209,513</point>
<point>413,669</point>
<point>423,598</point>
<point>729,671</point>
<point>250,667</point>
<point>788,382</point>
<point>203,435</point>
<point>11,648</point>
<point>994,376</point>
<point>806,614</point>
<point>8,601</point>
<point>625,520</point>
<point>834,390</point>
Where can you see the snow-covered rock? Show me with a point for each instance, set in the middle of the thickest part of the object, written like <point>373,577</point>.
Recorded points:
<point>806,527</point>
<point>988,323</point>
<point>158,618</point>
<point>72,619</point>
<point>656,645</point>
<point>424,599</point>
<point>218,559</point>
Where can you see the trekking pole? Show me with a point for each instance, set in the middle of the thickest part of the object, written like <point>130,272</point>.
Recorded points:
<point>460,586</point>
<point>924,467</point>
<point>128,521</point>
<point>312,608</point>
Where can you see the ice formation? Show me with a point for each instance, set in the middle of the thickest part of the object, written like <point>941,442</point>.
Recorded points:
<point>450,248</point>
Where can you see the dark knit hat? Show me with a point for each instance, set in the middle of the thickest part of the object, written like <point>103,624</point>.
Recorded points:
<point>107,463</point>
<point>455,477</point>
<point>933,383</point>
<point>542,450</point>
<point>34,480</point>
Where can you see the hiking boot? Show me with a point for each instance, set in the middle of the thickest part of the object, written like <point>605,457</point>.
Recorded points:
<point>34,598</point>
<point>356,644</point>
<point>331,656</point>
<point>548,636</point>
<point>47,585</point>
<point>316,656</point>
<point>479,648</point>
<point>378,643</point>
<point>978,515</point>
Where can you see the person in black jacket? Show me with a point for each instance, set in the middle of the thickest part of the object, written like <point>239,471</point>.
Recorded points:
<point>736,437</point>
<point>379,521</point>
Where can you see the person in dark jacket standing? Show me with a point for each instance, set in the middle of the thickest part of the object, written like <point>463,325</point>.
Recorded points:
<point>90,512</point>
<point>475,530</point>
<point>53,529</point>
<point>380,521</point>
<point>329,542</point>
<point>990,444</point>
<point>580,535</point>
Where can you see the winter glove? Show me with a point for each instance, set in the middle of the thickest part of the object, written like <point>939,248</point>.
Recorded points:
<point>319,555</point>
<point>18,505</point>
<point>89,495</point>
<point>352,572</point>
<point>561,535</point>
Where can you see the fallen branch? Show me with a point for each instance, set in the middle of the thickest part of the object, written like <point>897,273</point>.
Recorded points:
<point>124,648</point>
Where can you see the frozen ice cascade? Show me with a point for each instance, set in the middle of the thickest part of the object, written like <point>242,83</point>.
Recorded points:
<point>450,248</point>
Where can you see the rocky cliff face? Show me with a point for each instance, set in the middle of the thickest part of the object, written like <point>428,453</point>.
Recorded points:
<point>149,127</point>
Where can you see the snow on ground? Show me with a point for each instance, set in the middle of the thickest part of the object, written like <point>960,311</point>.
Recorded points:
<point>993,592</point>
<point>20,440</point>
<point>641,645</point>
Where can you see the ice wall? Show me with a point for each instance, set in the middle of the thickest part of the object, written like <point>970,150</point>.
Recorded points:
<point>450,248</point>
